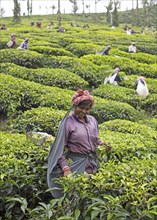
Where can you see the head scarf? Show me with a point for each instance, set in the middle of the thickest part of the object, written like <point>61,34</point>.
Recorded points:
<point>117,69</point>
<point>81,95</point>
<point>13,35</point>
<point>142,77</point>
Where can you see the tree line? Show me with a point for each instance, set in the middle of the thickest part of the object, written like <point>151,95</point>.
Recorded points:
<point>145,16</point>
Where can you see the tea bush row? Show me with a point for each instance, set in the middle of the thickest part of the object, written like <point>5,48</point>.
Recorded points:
<point>23,173</point>
<point>129,66</point>
<point>47,50</point>
<point>20,95</point>
<point>140,57</point>
<point>91,73</point>
<point>32,95</point>
<point>131,81</point>
<point>39,119</point>
<point>51,77</point>
<point>109,188</point>
<point>127,95</point>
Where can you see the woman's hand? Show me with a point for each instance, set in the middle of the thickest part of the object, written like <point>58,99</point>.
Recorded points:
<point>67,171</point>
<point>107,146</point>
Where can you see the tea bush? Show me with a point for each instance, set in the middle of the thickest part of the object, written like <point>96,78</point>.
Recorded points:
<point>104,110</point>
<point>47,50</point>
<point>23,171</point>
<point>131,81</point>
<point>125,186</point>
<point>51,77</point>
<point>140,57</point>
<point>91,73</point>
<point>40,119</point>
<point>20,95</point>
<point>25,58</point>
<point>129,66</point>
<point>127,95</point>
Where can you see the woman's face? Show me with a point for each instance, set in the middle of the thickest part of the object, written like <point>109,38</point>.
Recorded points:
<point>82,110</point>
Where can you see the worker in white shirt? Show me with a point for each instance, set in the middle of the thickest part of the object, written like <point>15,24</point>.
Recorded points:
<point>132,48</point>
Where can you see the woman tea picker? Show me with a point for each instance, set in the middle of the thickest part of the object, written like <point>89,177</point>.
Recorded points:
<point>77,139</point>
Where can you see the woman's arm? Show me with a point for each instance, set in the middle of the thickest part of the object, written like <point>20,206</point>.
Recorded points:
<point>62,162</point>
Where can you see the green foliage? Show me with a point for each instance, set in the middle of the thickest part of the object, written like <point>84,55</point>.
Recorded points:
<point>118,93</point>
<point>80,49</point>
<point>25,58</point>
<point>125,186</point>
<point>140,57</point>
<point>16,11</point>
<point>128,66</point>
<point>40,119</point>
<point>20,164</point>
<point>126,95</point>
<point>150,122</point>
<point>20,95</point>
<point>85,69</point>
<point>51,77</point>
<point>47,50</point>
<point>105,110</point>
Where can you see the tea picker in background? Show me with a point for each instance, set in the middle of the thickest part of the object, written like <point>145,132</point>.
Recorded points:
<point>105,51</point>
<point>24,44</point>
<point>4,27</point>
<point>12,42</point>
<point>114,78</point>
<point>32,23</point>
<point>141,87</point>
<point>38,24</point>
<point>77,140</point>
<point>132,48</point>
<point>61,29</point>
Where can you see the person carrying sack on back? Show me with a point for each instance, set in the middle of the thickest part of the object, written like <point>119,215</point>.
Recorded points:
<point>141,87</point>
<point>132,48</point>
<point>24,44</point>
<point>105,51</point>
<point>77,139</point>
<point>114,78</point>
<point>12,42</point>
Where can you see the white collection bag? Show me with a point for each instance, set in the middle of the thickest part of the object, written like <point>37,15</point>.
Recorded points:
<point>142,89</point>
<point>10,44</point>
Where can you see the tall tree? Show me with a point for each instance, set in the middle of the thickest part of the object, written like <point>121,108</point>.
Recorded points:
<point>88,7</point>
<point>145,4</point>
<point>28,7</point>
<point>83,11</point>
<point>59,7</point>
<point>115,21</point>
<point>137,13</point>
<point>109,9</point>
<point>96,1</point>
<point>2,12</point>
<point>53,8</point>
<point>16,11</point>
<point>75,7</point>
<point>31,7</point>
<point>132,4</point>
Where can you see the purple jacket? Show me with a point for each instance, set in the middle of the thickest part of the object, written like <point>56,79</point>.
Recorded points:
<point>80,137</point>
<point>24,45</point>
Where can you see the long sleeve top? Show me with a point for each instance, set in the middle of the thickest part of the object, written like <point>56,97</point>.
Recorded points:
<point>24,45</point>
<point>132,49</point>
<point>80,137</point>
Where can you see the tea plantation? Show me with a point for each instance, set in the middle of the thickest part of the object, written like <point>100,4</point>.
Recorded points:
<point>36,87</point>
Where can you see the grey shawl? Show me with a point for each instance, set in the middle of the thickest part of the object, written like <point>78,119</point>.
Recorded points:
<point>56,151</point>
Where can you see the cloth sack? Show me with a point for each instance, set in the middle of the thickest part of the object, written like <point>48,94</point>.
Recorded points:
<point>10,44</point>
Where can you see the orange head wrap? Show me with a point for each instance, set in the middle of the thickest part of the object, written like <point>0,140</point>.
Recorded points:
<point>81,95</point>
